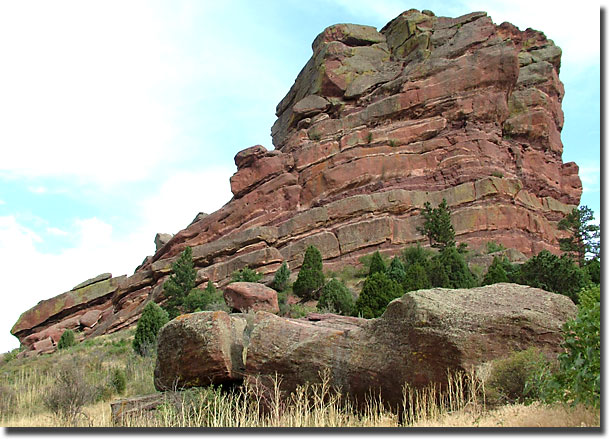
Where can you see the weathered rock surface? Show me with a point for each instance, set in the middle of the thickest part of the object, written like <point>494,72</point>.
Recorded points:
<point>161,239</point>
<point>250,296</point>
<point>375,125</point>
<point>418,338</point>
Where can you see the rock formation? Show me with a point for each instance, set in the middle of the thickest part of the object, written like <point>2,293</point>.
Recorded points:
<point>418,338</point>
<point>375,125</point>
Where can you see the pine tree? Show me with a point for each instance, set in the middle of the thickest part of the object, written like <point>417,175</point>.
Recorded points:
<point>151,321</point>
<point>336,295</point>
<point>282,278</point>
<point>246,274</point>
<point>66,340</point>
<point>448,269</point>
<point>397,270</point>
<point>377,264</point>
<point>416,278</point>
<point>377,292</point>
<point>496,272</point>
<point>180,283</point>
<point>311,276</point>
<point>584,236</point>
<point>437,226</point>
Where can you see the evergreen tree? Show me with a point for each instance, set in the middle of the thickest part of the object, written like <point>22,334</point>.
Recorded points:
<point>377,292</point>
<point>198,300</point>
<point>584,236</point>
<point>552,273</point>
<point>180,283</point>
<point>335,295</point>
<point>377,264</point>
<point>416,255</point>
<point>451,270</point>
<point>416,278</point>
<point>151,321</point>
<point>282,278</point>
<point>311,276</point>
<point>246,274</point>
<point>396,270</point>
<point>437,226</point>
<point>66,340</point>
<point>496,272</point>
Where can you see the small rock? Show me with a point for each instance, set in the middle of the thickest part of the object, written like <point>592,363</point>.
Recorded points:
<point>245,296</point>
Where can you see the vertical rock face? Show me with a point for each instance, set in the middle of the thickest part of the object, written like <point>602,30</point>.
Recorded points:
<point>376,124</point>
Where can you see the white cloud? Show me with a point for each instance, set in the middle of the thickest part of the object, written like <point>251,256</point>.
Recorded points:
<point>56,232</point>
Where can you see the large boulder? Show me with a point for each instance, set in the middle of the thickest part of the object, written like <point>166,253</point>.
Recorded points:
<point>417,340</point>
<point>251,296</point>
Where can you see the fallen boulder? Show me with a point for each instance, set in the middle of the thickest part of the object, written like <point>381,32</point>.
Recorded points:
<point>246,296</point>
<point>420,337</point>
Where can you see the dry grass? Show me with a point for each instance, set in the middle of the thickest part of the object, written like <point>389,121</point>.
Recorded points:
<point>26,382</point>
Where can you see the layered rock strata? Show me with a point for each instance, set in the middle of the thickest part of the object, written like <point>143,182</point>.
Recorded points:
<point>416,341</point>
<point>375,125</point>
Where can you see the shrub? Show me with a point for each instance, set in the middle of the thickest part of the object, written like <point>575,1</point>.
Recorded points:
<point>493,247</point>
<point>246,274</point>
<point>69,394</point>
<point>578,379</point>
<point>416,278</point>
<point>377,265</point>
<point>337,296</point>
<point>118,380</point>
<point>449,270</point>
<point>151,321</point>
<point>552,273</point>
<point>397,270</point>
<point>67,339</point>
<point>282,278</point>
<point>593,270</point>
<point>180,283</point>
<point>203,300</point>
<point>311,276</point>
<point>416,255</point>
<point>496,272</point>
<point>509,380</point>
<point>377,292</point>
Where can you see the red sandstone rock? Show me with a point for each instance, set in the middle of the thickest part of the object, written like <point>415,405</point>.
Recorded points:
<point>246,296</point>
<point>376,124</point>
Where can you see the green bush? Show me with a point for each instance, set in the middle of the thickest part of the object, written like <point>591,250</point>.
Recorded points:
<point>335,295</point>
<point>202,300</point>
<point>552,273</point>
<point>311,276</point>
<point>246,274</point>
<point>397,270</point>
<point>578,379</point>
<point>67,339</point>
<point>496,272</point>
<point>180,283</point>
<point>416,278</point>
<point>416,255</point>
<point>509,380</point>
<point>281,279</point>
<point>377,264</point>
<point>493,247</point>
<point>448,269</point>
<point>151,321</point>
<point>377,292</point>
<point>118,379</point>
<point>593,270</point>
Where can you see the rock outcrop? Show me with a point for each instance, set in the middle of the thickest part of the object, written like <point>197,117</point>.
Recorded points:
<point>376,124</point>
<point>251,296</point>
<point>418,338</point>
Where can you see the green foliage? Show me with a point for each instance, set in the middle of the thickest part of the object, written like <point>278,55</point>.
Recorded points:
<point>337,296</point>
<point>377,292</point>
<point>377,264</point>
<point>496,272</point>
<point>180,283</point>
<point>448,269</point>
<point>282,278</point>
<point>118,380</point>
<point>246,274</point>
<point>552,273</point>
<point>592,267</point>
<point>510,378</point>
<point>416,255</point>
<point>298,311</point>
<point>584,236</point>
<point>151,321</point>
<point>416,278</point>
<point>578,379</point>
<point>311,276</point>
<point>493,247</point>
<point>437,226</point>
<point>397,270</point>
<point>66,340</point>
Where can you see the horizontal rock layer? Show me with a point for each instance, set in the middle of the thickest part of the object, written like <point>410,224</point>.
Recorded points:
<point>375,125</point>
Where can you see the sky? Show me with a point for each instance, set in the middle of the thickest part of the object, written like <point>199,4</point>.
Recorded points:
<point>120,119</point>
